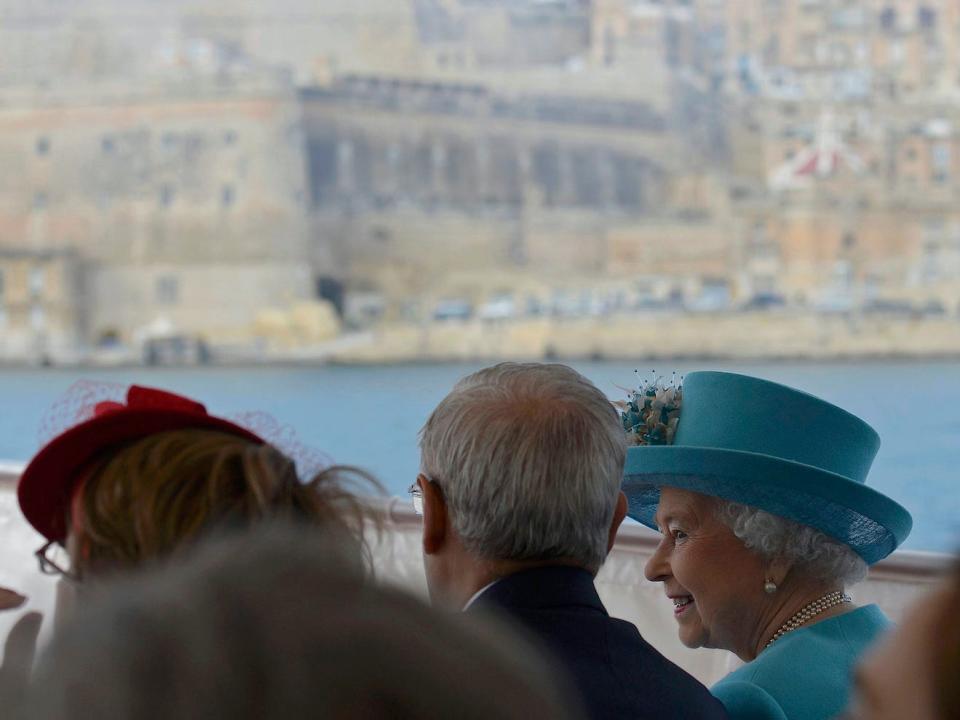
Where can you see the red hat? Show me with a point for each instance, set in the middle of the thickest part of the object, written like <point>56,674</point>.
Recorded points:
<point>46,484</point>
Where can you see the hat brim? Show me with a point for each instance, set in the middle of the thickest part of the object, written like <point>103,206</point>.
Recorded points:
<point>46,484</point>
<point>867,521</point>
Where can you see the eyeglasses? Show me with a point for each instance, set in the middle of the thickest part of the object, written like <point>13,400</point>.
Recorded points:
<point>54,565</point>
<point>416,494</point>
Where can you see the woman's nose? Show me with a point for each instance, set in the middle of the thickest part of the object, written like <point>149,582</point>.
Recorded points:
<point>657,568</point>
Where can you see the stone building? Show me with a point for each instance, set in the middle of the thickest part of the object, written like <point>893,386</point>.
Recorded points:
<point>834,49</point>
<point>413,177</point>
<point>845,148</point>
<point>187,210</point>
<point>48,43</point>
<point>852,202</point>
<point>42,313</point>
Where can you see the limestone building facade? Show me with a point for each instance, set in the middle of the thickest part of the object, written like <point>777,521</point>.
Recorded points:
<point>185,211</point>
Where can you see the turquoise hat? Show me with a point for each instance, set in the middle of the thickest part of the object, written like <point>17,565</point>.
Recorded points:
<point>775,448</point>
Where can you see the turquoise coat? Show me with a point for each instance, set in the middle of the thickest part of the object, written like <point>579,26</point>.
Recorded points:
<point>806,674</point>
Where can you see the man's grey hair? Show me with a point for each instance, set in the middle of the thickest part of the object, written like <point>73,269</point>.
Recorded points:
<point>812,553</point>
<point>530,459</point>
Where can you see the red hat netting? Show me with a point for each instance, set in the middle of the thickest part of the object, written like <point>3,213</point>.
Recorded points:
<point>87,398</point>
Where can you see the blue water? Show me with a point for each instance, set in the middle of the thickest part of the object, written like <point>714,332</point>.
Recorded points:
<point>370,416</point>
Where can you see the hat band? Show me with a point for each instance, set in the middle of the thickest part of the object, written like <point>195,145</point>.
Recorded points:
<point>851,512</point>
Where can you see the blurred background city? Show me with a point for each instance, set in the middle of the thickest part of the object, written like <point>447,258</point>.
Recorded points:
<point>316,191</point>
<point>395,180</point>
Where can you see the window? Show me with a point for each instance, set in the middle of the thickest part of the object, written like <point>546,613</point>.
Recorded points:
<point>394,153</point>
<point>926,17</point>
<point>43,146</point>
<point>37,281</point>
<point>107,144</point>
<point>38,317</point>
<point>168,290</point>
<point>934,230</point>
<point>167,195</point>
<point>897,53</point>
<point>230,137</point>
<point>888,19</point>
<point>227,196</point>
<point>940,161</point>
<point>40,200</point>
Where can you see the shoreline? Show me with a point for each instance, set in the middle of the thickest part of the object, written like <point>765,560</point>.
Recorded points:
<point>272,363</point>
<point>712,338</point>
<point>772,337</point>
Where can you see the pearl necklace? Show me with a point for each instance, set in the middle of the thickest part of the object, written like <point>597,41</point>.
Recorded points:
<point>808,612</point>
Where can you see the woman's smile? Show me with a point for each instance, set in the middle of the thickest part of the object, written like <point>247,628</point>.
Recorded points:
<point>681,605</point>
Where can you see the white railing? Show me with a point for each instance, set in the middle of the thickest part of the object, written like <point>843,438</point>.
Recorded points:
<point>892,584</point>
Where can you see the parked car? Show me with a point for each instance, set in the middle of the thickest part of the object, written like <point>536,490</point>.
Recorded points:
<point>453,310</point>
<point>535,306</point>
<point>713,297</point>
<point>498,307</point>
<point>933,308</point>
<point>764,302</point>
<point>882,306</point>
<point>175,350</point>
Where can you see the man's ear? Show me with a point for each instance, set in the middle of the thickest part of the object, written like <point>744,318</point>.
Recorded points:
<point>619,513</point>
<point>434,516</point>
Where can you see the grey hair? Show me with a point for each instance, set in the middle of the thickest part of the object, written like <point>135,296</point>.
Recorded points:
<point>530,459</point>
<point>812,552</point>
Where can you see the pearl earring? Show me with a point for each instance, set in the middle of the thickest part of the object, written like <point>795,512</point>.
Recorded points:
<point>770,587</point>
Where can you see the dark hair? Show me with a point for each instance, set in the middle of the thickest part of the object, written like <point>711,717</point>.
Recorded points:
<point>281,623</point>
<point>946,659</point>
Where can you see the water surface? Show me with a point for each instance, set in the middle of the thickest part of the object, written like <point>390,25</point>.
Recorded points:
<point>369,416</point>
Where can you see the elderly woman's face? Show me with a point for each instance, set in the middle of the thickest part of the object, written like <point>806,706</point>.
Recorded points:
<point>715,582</point>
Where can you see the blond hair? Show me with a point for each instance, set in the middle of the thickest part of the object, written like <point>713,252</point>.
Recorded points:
<point>156,495</point>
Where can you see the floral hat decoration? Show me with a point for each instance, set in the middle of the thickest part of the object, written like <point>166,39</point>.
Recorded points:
<point>763,444</point>
<point>651,413</point>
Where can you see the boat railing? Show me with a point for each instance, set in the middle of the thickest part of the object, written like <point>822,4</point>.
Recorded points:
<point>395,551</point>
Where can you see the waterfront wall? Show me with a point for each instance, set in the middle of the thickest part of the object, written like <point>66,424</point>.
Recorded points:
<point>730,336</point>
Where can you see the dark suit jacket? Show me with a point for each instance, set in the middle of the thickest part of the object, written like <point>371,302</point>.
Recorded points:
<point>617,672</point>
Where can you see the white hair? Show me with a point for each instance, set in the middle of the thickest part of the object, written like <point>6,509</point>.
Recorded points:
<point>530,460</point>
<point>812,552</point>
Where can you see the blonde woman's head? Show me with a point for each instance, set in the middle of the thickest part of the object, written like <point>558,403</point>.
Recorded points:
<point>148,499</point>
